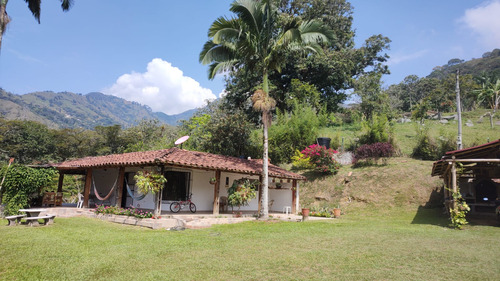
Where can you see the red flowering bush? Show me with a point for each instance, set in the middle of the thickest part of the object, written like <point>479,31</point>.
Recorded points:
<point>321,159</point>
<point>374,151</point>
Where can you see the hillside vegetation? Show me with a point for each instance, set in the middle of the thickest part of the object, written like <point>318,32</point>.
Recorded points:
<point>70,110</point>
<point>405,134</point>
<point>402,182</point>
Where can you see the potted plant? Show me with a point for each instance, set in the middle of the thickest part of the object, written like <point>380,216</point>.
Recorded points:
<point>336,212</point>
<point>241,192</point>
<point>305,212</point>
<point>151,182</point>
<point>212,180</point>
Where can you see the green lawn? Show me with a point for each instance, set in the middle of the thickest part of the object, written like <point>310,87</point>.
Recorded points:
<point>396,245</point>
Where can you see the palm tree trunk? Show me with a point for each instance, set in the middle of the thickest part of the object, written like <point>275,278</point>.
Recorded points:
<point>265,156</point>
<point>265,171</point>
<point>157,211</point>
<point>4,19</point>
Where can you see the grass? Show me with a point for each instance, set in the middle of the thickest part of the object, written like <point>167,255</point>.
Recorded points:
<point>405,133</point>
<point>400,244</point>
<point>400,182</point>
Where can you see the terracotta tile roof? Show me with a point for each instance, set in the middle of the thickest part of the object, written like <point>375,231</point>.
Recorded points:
<point>181,158</point>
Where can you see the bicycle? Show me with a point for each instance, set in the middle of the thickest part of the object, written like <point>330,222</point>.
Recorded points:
<point>176,206</point>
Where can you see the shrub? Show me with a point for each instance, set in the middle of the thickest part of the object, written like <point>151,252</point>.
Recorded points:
<point>321,159</point>
<point>133,212</point>
<point>426,148</point>
<point>22,184</point>
<point>378,129</point>
<point>300,162</point>
<point>292,131</point>
<point>375,151</point>
<point>321,212</point>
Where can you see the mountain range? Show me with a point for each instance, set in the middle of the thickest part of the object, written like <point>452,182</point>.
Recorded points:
<point>70,110</point>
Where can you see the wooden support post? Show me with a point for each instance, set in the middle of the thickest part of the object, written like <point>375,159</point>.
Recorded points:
<point>216,193</point>
<point>119,192</point>
<point>294,196</point>
<point>60,183</point>
<point>259,208</point>
<point>454,181</point>
<point>88,185</point>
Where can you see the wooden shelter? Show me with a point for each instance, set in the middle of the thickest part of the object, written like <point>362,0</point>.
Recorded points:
<point>475,172</point>
<point>187,172</point>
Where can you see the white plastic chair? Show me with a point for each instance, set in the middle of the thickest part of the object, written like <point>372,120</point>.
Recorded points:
<point>80,201</point>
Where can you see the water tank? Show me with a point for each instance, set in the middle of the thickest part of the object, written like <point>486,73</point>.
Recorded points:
<point>324,142</point>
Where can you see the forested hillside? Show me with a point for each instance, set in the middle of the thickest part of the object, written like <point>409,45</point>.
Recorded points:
<point>70,110</point>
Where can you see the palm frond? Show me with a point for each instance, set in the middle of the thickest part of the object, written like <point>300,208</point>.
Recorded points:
<point>221,67</point>
<point>222,23</point>
<point>216,53</point>
<point>66,4</point>
<point>226,35</point>
<point>34,6</point>
<point>251,14</point>
<point>314,30</point>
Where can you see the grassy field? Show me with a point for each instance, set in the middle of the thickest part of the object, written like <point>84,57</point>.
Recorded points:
<point>398,244</point>
<point>405,133</point>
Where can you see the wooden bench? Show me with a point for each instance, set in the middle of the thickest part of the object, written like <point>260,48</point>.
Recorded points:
<point>33,221</point>
<point>16,219</point>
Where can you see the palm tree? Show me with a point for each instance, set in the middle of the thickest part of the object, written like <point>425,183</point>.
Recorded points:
<point>255,41</point>
<point>33,5</point>
<point>490,94</point>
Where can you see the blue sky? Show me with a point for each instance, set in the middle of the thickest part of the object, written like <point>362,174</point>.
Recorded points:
<point>148,52</point>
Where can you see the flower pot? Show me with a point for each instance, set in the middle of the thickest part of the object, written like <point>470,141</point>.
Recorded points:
<point>336,212</point>
<point>305,212</point>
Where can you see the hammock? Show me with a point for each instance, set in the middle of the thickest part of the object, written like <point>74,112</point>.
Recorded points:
<point>110,192</point>
<point>138,198</point>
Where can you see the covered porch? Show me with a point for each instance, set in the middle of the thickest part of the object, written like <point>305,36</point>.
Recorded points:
<point>109,180</point>
<point>475,172</point>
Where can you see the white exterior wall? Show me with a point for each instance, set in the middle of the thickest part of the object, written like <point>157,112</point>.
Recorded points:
<point>202,190</point>
<point>104,180</point>
<point>254,203</point>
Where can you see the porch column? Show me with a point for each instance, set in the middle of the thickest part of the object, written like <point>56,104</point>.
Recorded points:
<point>60,183</point>
<point>86,190</point>
<point>119,193</point>
<point>216,193</point>
<point>294,196</point>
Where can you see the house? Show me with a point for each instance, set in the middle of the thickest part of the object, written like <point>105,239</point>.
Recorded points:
<point>475,172</point>
<point>109,179</point>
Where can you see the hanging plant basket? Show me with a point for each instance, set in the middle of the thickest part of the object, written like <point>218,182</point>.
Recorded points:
<point>212,180</point>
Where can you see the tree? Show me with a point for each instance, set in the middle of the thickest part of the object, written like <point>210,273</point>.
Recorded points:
<point>373,100</point>
<point>332,72</point>
<point>216,130</point>
<point>33,5</point>
<point>27,141</point>
<point>490,94</point>
<point>255,41</point>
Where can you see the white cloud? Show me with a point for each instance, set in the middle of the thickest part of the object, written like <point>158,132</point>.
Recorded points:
<point>484,20</point>
<point>399,58</point>
<point>162,87</point>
